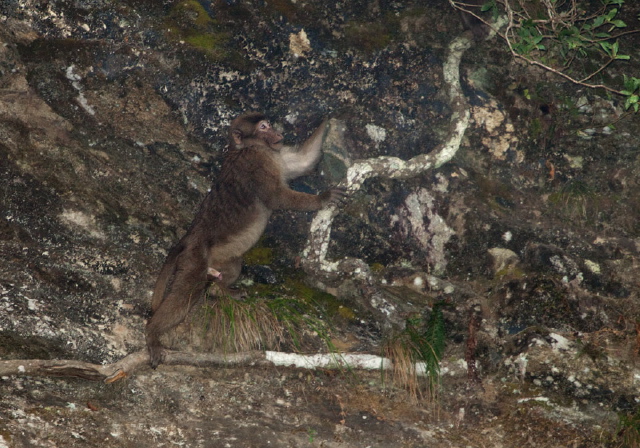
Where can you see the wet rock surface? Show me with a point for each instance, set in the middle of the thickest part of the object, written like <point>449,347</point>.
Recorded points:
<point>113,118</point>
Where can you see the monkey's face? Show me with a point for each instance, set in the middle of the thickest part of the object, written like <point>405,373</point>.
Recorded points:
<point>252,128</point>
<point>269,135</point>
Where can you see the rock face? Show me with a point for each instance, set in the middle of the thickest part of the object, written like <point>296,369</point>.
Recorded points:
<point>113,118</point>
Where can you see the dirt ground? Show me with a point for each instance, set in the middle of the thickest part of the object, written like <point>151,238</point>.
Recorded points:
<point>282,407</point>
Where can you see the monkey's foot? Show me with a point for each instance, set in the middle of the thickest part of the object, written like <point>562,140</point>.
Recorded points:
<point>156,355</point>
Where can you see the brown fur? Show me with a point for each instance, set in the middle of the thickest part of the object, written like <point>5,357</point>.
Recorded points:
<point>231,219</point>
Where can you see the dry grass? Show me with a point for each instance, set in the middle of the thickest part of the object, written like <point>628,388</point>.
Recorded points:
<point>229,325</point>
<point>420,342</point>
<point>404,351</point>
<point>401,351</point>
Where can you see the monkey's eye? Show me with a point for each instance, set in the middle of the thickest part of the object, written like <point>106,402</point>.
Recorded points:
<point>265,125</point>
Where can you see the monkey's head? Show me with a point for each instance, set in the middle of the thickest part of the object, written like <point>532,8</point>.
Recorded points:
<point>252,128</point>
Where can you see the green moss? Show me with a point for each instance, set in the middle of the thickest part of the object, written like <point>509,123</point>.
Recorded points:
<point>259,255</point>
<point>295,289</point>
<point>376,268</point>
<point>190,23</point>
<point>346,313</point>
<point>367,37</point>
<point>371,36</point>
<point>510,272</point>
<point>535,128</point>
<point>330,303</point>
<point>205,42</point>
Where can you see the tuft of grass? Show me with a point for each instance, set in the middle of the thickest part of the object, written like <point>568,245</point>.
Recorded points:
<point>231,325</point>
<point>416,351</point>
<point>628,435</point>
<point>576,200</point>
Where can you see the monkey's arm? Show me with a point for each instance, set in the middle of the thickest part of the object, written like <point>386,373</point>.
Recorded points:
<point>263,177</point>
<point>284,198</point>
<point>301,161</point>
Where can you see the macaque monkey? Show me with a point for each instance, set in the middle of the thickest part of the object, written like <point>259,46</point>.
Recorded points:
<point>231,219</point>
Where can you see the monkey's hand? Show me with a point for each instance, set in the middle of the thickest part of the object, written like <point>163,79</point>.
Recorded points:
<point>333,196</point>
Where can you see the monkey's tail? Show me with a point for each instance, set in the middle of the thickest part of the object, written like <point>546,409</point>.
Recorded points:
<point>166,273</point>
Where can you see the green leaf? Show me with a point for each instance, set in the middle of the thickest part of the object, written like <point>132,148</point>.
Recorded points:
<point>623,56</point>
<point>598,21</point>
<point>619,23</point>
<point>487,6</point>
<point>631,84</point>
<point>632,101</point>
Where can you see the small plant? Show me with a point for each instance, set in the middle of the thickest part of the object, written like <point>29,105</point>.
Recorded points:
<point>311,434</point>
<point>631,90</point>
<point>232,325</point>
<point>628,434</point>
<point>577,200</point>
<point>418,350</point>
<point>298,317</point>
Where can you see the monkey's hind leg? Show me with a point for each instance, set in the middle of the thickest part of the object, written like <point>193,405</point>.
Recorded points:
<point>225,273</point>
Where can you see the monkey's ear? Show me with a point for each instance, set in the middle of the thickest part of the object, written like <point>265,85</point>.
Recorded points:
<point>237,137</point>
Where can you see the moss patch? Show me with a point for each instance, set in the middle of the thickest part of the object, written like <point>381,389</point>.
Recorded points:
<point>367,37</point>
<point>330,303</point>
<point>190,23</point>
<point>259,255</point>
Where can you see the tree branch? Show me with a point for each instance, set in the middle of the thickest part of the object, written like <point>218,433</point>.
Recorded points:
<point>511,25</point>
<point>314,258</point>
<point>133,362</point>
<point>124,367</point>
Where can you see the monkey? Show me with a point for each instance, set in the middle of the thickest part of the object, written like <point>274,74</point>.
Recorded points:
<point>253,182</point>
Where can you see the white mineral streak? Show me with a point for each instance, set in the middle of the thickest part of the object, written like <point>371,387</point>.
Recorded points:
<point>75,82</point>
<point>332,360</point>
<point>315,253</point>
<point>418,205</point>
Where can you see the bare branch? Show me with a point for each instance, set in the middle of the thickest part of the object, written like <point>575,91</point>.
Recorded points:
<point>511,25</point>
<point>315,254</point>
<point>133,362</point>
<point>124,367</point>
